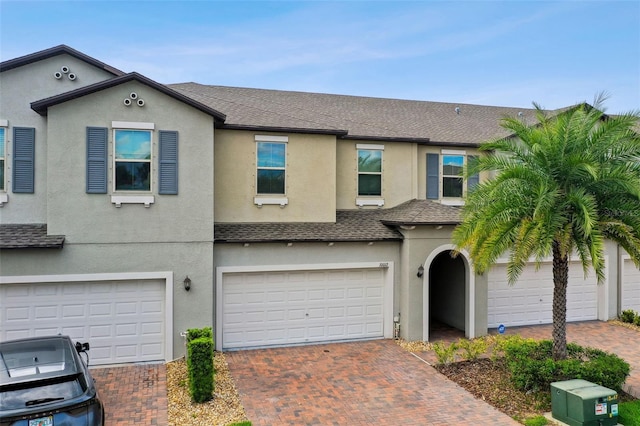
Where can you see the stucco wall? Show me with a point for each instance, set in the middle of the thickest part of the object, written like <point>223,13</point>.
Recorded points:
<point>92,218</point>
<point>420,247</point>
<point>399,177</point>
<point>310,182</point>
<point>18,88</point>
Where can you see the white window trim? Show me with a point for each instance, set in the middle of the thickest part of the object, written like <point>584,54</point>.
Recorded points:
<point>452,201</point>
<point>360,202</point>
<point>4,198</point>
<point>370,146</point>
<point>281,201</point>
<point>119,200</point>
<point>133,125</point>
<point>370,200</point>
<point>271,138</point>
<point>114,159</point>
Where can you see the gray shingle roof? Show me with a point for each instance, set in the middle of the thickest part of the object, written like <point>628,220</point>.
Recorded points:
<point>19,236</point>
<point>422,212</point>
<point>350,225</point>
<point>361,117</point>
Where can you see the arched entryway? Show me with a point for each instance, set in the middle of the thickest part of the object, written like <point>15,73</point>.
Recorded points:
<point>448,292</point>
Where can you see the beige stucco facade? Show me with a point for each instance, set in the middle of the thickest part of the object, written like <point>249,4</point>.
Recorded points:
<point>310,181</point>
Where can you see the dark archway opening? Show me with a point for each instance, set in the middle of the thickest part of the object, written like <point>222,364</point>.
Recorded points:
<point>447,296</point>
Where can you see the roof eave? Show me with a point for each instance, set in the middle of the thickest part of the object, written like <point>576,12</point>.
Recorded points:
<point>304,240</point>
<point>42,106</point>
<point>55,51</point>
<point>335,132</point>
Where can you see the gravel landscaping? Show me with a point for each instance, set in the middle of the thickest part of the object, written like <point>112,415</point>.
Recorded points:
<point>225,407</point>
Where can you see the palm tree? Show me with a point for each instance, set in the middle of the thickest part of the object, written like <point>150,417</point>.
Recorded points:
<point>561,186</point>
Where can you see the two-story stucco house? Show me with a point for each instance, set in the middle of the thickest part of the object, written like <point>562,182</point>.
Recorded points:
<point>131,211</point>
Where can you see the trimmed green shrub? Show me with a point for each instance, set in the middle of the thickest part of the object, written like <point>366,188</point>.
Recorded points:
<point>200,368</point>
<point>196,333</point>
<point>532,365</point>
<point>636,321</point>
<point>629,316</point>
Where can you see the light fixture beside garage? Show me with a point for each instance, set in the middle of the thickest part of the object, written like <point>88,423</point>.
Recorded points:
<point>420,271</point>
<point>187,283</point>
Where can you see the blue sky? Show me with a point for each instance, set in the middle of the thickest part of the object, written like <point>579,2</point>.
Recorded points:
<point>510,53</point>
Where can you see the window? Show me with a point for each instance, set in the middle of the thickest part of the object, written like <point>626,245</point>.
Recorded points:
<point>132,160</point>
<point>271,162</point>
<point>2,158</point>
<point>370,172</point>
<point>452,166</point>
<point>444,176</point>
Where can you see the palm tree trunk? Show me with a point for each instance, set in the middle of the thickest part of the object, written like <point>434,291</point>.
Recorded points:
<point>560,281</point>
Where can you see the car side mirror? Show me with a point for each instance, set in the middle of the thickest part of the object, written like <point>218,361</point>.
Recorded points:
<point>82,347</point>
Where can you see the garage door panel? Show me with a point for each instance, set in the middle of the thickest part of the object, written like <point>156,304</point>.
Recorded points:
<point>630,286</point>
<point>301,307</point>
<point>530,300</point>
<point>129,313</point>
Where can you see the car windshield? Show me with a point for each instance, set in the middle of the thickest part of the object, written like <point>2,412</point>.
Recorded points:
<point>38,371</point>
<point>33,358</point>
<point>40,394</point>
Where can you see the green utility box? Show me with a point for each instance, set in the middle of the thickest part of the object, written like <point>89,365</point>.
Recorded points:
<point>581,403</point>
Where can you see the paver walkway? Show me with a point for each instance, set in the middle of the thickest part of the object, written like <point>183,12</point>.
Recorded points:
<point>360,383</point>
<point>133,394</point>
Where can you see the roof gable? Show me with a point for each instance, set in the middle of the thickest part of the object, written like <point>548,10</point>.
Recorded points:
<point>42,106</point>
<point>55,51</point>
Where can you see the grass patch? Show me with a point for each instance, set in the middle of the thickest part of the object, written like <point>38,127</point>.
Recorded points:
<point>536,421</point>
<point>629,413</point>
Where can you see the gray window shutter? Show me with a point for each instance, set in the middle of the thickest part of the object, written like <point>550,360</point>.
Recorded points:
<point>433,176</point>
<point>97,138</point>
<point>24,150</point>
<point>168,162</point>
<point>473,180</point>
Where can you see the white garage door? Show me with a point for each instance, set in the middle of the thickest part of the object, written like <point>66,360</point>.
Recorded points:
<point>297,307</point>
<point>630,286</point>
<point>530,300</point>
<point>122,321</point>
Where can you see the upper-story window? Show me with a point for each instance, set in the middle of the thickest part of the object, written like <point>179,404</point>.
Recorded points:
<point>3,156</point>
<point>369,172</point>
<point>444,176</point>
<point>452,166</point>
<point>271,164</point>
<point>132,158</point>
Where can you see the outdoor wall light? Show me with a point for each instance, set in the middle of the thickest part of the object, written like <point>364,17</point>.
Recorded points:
<point>187,283</point>
<point>420,271</point>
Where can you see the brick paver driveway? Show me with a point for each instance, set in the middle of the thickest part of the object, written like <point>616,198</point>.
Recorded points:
<point>133,394</point>
<point>361,383</point>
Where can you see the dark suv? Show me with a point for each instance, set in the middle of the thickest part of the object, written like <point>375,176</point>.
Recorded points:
<point>45,382</point>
